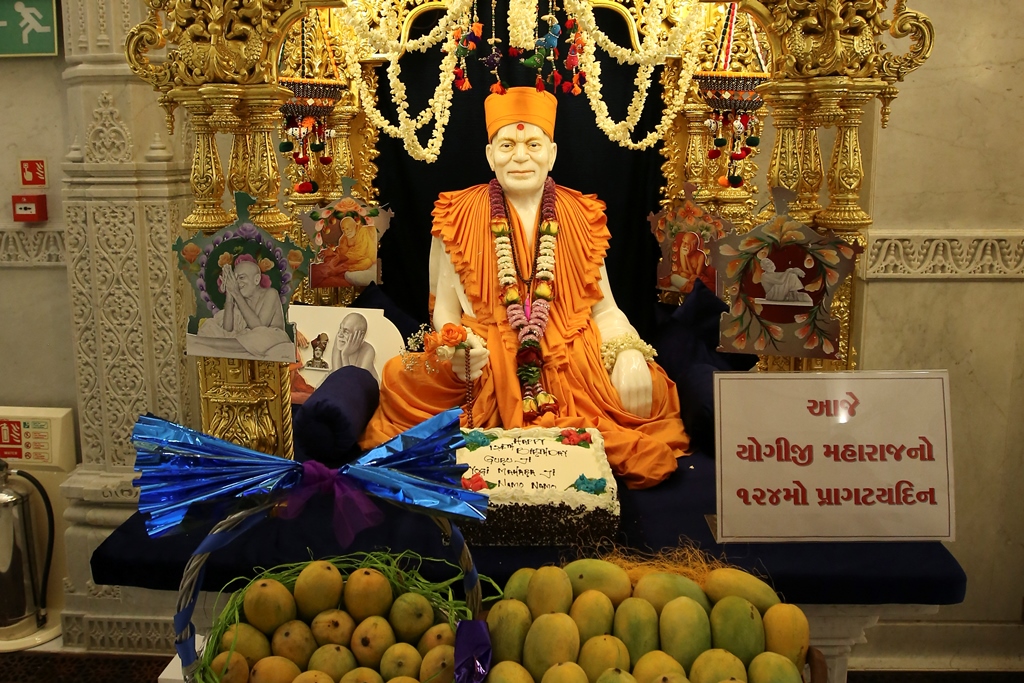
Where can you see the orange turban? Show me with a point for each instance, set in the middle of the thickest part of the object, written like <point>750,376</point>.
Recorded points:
<point>526,105</point>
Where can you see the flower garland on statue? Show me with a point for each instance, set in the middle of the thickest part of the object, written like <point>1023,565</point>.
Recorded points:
<point>528,317</point>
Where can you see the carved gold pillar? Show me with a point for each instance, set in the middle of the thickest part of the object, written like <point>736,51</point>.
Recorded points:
<point>225,100</point>
<point>364,139</point>
<point>238,164</point>
<point>809,185</point>
<point>784,165</point>
<point>699,169</point>
<point>207,176</point>
<point>262,116</point>
<point>247,402</point>
<point>339,148</point>
<point>675,169</point>
<point>846,168</point>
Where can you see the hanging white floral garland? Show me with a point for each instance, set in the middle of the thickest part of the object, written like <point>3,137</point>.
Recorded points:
<point>385,41</point>
<point>522,24</point>
<point>653,51</point>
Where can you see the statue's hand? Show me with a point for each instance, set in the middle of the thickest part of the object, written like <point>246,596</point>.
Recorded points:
<point>478,359</point>
<point>631,377</point>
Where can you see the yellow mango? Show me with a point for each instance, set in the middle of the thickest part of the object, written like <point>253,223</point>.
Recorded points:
<point>636,625</point>
<point>610,579</point>
<point>736,626</point>
<point>593,613</point>
<point>658,588</point>
<point>517,584</point>
<point>601,653</point>
<point>787,633</point>
<point>508,622</point>
<point>508,672</point>
<point>685,630</point>
<point>654,664</point>
<point>439,665</point>
<point>230,667</point>
<point>725,581</point>
<point>549,591</point>
<point>368,593</point>
<point>552,639</point>
<point>716,665</point>
<point>566,672</point>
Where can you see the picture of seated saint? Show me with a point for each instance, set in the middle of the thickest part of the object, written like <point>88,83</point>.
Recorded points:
<point>251,324</point>
<point>352,262</point>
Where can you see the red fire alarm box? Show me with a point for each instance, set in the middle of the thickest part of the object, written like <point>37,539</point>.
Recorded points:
<point>29,208</point>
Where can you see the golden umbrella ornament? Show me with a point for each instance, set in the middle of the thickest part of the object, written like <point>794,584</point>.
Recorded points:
<point>733,98</point>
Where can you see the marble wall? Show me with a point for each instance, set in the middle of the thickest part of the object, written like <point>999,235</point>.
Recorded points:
<point>945,169</point>
<point>34,305</point>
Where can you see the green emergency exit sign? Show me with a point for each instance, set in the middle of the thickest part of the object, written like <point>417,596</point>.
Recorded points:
<point>28,28</point>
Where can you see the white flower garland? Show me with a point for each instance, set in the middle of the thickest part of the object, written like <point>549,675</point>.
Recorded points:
<point>656,46</point>
<point>386,39</point>
<point>439,106</point>
<point>621,132</point>
<point>522,23</point>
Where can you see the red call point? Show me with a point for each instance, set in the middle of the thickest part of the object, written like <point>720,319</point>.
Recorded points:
<point>32,172</point>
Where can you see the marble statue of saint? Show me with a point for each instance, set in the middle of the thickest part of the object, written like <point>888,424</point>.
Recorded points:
<point>520,263</point>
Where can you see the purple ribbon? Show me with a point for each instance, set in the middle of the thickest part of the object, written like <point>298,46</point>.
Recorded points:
<point>472,651</point>
<point>353,509</point>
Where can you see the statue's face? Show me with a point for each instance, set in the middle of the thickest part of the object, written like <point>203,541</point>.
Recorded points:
<point>521,155</point>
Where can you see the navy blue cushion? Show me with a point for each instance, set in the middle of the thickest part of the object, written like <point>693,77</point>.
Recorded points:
<point>328,425</point>
<point>686,339</point>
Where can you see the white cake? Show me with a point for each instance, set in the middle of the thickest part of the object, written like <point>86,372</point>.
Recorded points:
<point>544,489</point>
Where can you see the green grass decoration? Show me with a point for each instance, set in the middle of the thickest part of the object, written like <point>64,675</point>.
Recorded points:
<point>401,571</point>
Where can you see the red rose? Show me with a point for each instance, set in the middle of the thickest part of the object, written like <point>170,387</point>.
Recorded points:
<point>474,483</point>
<point>529,355</point>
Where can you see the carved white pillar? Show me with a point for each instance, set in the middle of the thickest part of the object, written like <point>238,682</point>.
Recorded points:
<point>125,193</point>
<point>835,629</point>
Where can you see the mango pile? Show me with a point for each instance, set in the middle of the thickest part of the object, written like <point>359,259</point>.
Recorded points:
<point>330,629</point>
<point>587,623</point>
<point>582,623</point>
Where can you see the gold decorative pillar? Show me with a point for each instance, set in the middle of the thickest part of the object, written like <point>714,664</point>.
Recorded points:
<point>248,403</point>
<point>364,138</point>
<point>340,150</point>
<point>262,104</point>
<point>846,168</point>
<point>225,99</point>
<point>784,104</point>
<point>207,177</point>
<point>809,185</point>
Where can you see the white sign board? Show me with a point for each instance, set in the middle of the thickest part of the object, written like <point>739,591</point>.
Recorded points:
<point>853,456</point>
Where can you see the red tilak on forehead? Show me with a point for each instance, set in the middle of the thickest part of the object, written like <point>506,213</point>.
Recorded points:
<point>520,126</point>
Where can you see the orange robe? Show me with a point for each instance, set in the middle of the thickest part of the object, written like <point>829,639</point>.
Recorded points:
<point>642,451</point>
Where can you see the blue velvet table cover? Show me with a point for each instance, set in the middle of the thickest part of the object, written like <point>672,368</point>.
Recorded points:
<point>653,519</point>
